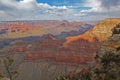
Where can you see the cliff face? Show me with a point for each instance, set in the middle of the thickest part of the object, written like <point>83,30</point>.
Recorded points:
<point>107,66</point>
<point>101,31</point>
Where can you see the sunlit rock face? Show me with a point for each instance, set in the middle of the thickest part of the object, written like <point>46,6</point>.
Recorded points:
<point>101,31</point>
<point>107,59</point>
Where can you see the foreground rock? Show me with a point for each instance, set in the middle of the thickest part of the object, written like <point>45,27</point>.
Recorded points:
<point>107,66</point>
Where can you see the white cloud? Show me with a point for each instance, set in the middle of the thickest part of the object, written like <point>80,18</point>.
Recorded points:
<point>26,9</point>
<point>30,9</point>
<point>101,9</point>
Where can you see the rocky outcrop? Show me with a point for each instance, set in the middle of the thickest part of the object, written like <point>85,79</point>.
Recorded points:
<point>101,31</point>
<point>107,66</point>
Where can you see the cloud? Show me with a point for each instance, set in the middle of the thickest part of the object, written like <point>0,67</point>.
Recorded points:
<point>102,9</point>
<point>110,3</point>
<point>32,10</point>
<point>28,9</point>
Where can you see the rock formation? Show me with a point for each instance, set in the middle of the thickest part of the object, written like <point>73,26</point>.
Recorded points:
<point>101,31</point>
<point>107,66</point>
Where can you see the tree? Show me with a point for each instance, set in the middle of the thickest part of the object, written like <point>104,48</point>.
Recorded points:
<point>8,63</point>
<point>116,30</point>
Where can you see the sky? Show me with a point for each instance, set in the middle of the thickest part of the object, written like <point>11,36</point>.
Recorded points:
<point>71,10</point>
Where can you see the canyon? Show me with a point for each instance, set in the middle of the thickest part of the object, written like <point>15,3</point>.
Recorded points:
<point>49,56</point>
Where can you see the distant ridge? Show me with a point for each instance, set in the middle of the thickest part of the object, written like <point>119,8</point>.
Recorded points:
<point>19,29</point>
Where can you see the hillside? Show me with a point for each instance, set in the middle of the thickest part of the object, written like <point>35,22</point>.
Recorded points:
<point>107,59</point>
<point>101,31</point>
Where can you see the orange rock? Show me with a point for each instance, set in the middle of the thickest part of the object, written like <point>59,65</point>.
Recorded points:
<point>100,31</point>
